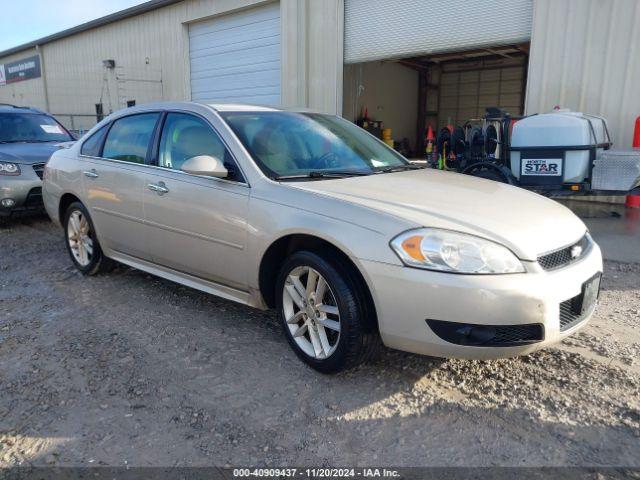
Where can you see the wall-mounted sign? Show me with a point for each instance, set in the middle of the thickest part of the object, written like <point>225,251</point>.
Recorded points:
<point>19,70</point>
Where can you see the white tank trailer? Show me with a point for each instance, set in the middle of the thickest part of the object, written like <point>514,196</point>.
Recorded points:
<point>569,152</point>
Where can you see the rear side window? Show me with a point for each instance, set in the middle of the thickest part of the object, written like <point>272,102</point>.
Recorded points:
<point>91,146</point>
<point>129,138</point>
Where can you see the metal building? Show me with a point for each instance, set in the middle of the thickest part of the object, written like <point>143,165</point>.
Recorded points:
<point>409,63</point>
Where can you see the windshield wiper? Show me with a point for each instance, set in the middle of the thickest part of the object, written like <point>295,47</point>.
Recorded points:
<point>320,174</point>
<point>402,168</point>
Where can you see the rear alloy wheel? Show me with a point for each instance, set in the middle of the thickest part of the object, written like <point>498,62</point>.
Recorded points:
<point>81,241</point>
<point>322,314</point>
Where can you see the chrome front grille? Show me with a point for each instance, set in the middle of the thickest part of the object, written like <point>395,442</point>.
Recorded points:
<point>567,255</point>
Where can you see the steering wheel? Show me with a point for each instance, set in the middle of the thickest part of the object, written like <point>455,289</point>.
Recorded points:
<point>327,160</point>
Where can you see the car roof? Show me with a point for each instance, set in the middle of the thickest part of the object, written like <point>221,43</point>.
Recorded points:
<point>241,107</point>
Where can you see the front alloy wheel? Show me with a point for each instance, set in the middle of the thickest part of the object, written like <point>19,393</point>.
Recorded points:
<point>324,313</point>
<point>311,312</point>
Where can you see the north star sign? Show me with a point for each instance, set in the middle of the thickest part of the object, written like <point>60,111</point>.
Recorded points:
<point>19,70</point>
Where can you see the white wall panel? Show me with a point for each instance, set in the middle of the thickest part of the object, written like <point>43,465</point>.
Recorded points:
<point>27,92</point>
<point>584,56</point>
<point>386,29</point>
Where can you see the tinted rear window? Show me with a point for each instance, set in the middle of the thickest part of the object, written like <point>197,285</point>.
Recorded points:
<point>129,138</point>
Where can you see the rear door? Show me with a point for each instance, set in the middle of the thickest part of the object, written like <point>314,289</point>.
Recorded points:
<point>114,181</point>
<point>197,225</point>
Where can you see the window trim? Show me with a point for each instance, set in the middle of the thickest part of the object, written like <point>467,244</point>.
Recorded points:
<point>156,151</point>
<point>104,127</point>
<point>153,151</point>
<point>113,122</point>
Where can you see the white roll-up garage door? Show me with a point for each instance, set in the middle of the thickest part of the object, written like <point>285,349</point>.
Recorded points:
<point>236,58</point>
<point>386,29</point>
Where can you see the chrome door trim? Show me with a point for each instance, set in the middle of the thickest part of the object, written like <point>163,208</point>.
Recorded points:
<point>155,167</point>
<point>193,234</point>
<point>170,229</point>
<point>118,214</point>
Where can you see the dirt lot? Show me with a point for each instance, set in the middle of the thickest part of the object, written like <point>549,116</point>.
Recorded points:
<point>127,369</point>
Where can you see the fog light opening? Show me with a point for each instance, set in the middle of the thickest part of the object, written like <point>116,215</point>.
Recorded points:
<point>469,335</point>
<point>8,202</point>
<point>477,335</point>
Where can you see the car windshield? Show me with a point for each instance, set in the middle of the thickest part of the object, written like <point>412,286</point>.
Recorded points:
<point>310,145</point>
<point>31,127</point>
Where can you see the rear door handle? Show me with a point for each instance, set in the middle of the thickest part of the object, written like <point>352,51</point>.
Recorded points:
<point>160,188</point>
<point>91,173</point>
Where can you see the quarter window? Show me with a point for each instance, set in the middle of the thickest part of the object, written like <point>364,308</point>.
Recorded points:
<point>185,136</point>
<point>129,138</point>
<point>91,146</point>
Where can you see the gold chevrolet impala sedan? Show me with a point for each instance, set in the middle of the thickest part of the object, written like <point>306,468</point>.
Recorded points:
<point>310,215</point>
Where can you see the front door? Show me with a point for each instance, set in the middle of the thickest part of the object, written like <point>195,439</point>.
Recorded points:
<point>197,225</point>
<point>114,181</point>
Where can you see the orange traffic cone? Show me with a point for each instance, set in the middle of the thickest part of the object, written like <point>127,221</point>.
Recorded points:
<point>430,139</point>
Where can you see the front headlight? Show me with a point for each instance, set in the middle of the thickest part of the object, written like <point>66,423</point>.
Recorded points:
<point>8,168</point>
<point>449,251</point>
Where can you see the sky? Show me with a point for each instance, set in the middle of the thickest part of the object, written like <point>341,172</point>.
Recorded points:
<point>24,20</point>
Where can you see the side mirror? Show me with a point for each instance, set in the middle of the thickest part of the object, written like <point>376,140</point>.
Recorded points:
<point>205,165</point>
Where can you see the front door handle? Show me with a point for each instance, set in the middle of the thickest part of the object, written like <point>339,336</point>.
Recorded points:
<point>160,188</point>
<point>91,173</point>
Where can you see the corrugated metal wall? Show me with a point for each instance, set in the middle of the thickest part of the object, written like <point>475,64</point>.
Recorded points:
<point>585,56</point>
<point>151,52</point>
<point>465,92</point>
<point>387,29</point>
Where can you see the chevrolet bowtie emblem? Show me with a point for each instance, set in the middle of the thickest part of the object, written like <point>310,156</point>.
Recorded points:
<point>576,251</point>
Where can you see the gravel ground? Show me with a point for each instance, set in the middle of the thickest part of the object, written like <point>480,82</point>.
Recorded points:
<point>128,369</point>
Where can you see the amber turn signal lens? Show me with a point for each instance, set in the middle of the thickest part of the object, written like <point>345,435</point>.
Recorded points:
<point>411,245</point>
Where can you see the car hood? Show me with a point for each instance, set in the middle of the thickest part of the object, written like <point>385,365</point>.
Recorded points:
<point>527,223</point>
<point>30,153</point>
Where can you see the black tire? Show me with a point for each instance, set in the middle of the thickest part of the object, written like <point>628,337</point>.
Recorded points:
<point>98,262</point>
<point>489,174</point>
<point>357,341</point>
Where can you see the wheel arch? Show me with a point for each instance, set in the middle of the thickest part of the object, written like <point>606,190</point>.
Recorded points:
<point>280,249</point>
<point>66,200</point>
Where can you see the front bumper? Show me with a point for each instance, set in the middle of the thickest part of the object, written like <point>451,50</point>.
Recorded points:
<point>24,189</point>
<point>406,298</point>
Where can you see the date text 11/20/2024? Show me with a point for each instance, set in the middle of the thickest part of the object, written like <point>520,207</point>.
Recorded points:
<point>316,472</point>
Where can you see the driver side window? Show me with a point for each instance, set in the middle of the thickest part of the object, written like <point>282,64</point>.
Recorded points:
<point>185,136</point>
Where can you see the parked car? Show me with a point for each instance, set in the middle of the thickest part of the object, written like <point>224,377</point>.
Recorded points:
<point>28,137</point>
<point>311,215</point>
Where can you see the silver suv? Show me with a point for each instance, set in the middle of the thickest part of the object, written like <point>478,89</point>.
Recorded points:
<point>28,137</point>
<point>311,215</point>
